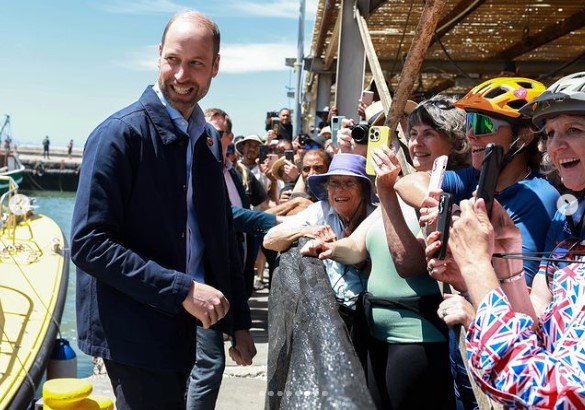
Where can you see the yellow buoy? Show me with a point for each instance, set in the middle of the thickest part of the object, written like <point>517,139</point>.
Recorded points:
<point>65,393</point>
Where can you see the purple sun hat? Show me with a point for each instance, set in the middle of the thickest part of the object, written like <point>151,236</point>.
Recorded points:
<point>350,165</point>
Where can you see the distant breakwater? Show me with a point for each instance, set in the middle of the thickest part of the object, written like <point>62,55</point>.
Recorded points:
<point>58,172</point>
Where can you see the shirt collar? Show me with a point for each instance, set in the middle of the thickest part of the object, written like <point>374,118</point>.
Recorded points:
<point>196,123</point>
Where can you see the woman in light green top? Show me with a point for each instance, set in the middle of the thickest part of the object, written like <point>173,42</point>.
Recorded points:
<point>408,358</point>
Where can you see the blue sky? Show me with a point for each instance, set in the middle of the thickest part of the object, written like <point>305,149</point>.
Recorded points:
<point>65,65</point>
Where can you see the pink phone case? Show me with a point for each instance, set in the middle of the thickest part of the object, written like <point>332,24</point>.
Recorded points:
<point>438,172</point>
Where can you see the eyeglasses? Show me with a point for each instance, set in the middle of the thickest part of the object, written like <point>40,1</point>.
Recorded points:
<point>347,185</point>
<point>482,125</point>
<point>316,168</point>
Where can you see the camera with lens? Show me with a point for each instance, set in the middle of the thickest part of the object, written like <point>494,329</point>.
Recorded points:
<point>359,132</point>
<point>304,139</point>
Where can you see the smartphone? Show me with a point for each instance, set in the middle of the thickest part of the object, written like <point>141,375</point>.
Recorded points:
<point>367,97</point>
<point>275,124</point>
<point>377,136</point>
<point>488,176</point>
<point>271,160</point>
<point>444,222</point>
<point>438,172</point>
<point>263,153</point>
<point>289,155</point>
<point>336,122</point>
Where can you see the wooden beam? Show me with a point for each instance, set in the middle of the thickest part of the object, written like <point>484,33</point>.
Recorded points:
<point>398,141</point>
<point>544,36</point>
<point>463,9</point>
<point>422,37</point>
<point>331,50</point>
<point>324,26</point>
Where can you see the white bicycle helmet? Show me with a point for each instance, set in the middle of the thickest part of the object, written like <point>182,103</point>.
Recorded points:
<point>566,96</point>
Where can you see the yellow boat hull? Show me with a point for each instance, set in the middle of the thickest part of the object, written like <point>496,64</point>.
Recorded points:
<point>34,269</point>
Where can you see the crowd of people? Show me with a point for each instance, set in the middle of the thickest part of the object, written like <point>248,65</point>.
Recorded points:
<point>177,221</point>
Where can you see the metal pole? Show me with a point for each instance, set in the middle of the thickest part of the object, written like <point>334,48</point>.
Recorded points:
<point>297,124</point>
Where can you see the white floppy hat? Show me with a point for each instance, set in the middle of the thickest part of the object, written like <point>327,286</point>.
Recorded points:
<point>252,137</point>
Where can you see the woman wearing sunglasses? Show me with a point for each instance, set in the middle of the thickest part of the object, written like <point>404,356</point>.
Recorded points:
<point>493,116</point>
<point>522,355</point>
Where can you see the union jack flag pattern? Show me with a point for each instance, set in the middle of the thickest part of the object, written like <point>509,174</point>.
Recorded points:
<point>532,368</point>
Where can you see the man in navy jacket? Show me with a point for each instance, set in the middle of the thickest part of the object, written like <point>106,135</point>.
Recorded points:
<point>146,272</point>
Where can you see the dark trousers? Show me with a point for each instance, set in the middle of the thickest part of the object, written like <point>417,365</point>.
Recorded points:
<point>145,389</point>
<point>410,376</point>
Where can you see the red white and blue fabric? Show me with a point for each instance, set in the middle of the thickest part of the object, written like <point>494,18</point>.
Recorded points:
<point>526,368</point>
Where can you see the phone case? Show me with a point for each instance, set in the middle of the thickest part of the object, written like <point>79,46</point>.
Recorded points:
<point>289,155</point>
<point>444,222</point>
<point>488,177</point>
<point>377,136</point>
<point>335,126</point>
<point>438,172</point>
<point>263,153</point>
<point>367,97</point>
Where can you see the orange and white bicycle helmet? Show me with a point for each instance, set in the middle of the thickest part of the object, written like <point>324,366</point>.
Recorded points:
<point>503,96</point>
<point>566,96</point>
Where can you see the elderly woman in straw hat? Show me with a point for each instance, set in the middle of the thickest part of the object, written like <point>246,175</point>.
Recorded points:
<point>344,200</point>
<point>404,331</point>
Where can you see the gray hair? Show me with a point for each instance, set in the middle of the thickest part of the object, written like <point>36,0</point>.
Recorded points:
<point>440,114</point>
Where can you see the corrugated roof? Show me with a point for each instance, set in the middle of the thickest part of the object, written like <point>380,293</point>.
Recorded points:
<point>475,40</point>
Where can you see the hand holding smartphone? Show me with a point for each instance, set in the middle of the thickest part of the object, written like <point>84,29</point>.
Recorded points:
<point>377,136</point>
<point>488,177</point>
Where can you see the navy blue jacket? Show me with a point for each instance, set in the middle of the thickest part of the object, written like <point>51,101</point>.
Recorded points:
<point>129,242</point>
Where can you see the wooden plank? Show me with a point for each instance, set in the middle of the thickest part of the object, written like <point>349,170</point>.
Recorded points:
<point>424,32</point>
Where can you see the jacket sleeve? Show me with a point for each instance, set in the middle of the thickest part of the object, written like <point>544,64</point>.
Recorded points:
<point>252,222</point>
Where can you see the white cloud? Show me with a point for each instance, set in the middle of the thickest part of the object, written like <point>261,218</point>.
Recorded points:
<point>277,8</point>
<point>274,8</point>
<point>235,58</point>
<point>246,58</point>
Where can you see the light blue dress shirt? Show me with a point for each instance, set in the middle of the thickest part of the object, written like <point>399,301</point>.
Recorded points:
<point>194,128</point>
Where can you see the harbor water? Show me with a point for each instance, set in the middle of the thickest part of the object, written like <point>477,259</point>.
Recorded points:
<point>59,207</point>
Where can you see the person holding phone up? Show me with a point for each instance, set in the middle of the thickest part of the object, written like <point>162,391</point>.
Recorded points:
<point>493,117</point>
<point>404,331</point>
<point>522,355</point>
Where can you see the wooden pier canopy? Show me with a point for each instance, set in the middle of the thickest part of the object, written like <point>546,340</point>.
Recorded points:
<point>473,40</point>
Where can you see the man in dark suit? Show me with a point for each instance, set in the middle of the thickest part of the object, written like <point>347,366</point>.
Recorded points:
<point>153,236</point>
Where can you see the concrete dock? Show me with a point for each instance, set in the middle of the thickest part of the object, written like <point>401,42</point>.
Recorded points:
<point>242,388</point>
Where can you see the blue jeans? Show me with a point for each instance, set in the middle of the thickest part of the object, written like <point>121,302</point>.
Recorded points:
<point>206,375</point>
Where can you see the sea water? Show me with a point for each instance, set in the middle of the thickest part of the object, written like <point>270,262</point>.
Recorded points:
<point>59,207</point>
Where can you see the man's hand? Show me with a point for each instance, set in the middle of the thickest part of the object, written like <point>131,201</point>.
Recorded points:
<point>243,350</point>
<point>207,304</point>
